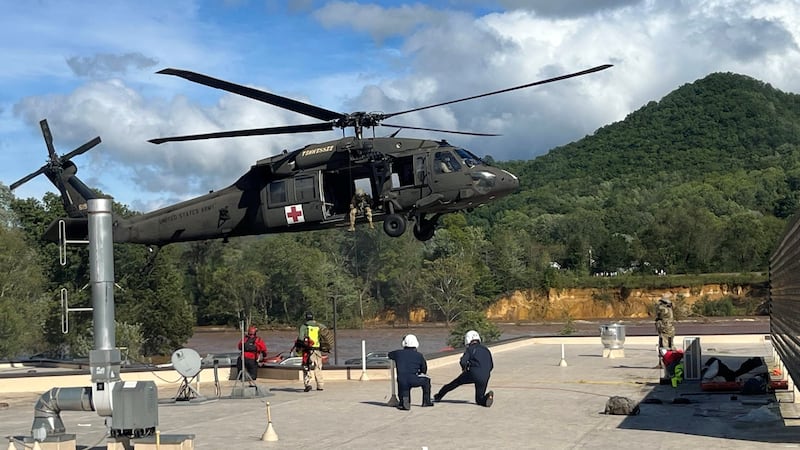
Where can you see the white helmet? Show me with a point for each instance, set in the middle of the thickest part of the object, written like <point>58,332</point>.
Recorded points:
<point>471,335</point>
<point>410,341</point>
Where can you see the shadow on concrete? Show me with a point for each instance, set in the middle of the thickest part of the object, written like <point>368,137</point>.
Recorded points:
<point>287,389</point>
<point>690,410</point>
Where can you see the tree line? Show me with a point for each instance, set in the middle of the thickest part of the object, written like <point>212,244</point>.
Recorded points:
<point>702,181</point>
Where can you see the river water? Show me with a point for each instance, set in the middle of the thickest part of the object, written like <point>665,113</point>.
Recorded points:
<point>433,338</point>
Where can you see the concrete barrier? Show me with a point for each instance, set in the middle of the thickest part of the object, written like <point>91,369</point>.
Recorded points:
<point>41,382</point>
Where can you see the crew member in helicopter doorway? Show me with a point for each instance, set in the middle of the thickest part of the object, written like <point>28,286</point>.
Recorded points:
<point>360,205</point>
<point>254,347</point>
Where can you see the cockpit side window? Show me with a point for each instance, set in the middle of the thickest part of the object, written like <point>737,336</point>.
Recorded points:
<point>445,162</point>
<point>468,157</point>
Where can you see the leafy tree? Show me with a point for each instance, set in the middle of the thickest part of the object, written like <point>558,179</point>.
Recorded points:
<point>22,300</point>
<point>159,305</point>
<point>201,260</point>
<point>508,258</point>
<point>449,286</point>
<point>472,320</point>
<point>7,219</point>
<point>401,274</point>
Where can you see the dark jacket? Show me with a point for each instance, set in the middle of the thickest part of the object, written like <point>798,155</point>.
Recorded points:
<point>478,360</point>
<point>256,347</point>
<point>409,362</point>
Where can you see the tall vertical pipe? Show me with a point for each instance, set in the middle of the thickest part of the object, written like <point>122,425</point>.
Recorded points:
<point>104,360</point>
<point>101,265</point>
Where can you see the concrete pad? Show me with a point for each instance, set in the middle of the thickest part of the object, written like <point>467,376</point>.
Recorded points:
<point>538,404</point>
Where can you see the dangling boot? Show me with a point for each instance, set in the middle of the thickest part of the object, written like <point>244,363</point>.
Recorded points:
<point>352,220</point>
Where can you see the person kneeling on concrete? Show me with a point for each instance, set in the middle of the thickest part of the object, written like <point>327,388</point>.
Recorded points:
<point>673,365</point>
<point>476,367</point>
<point>411,372</point>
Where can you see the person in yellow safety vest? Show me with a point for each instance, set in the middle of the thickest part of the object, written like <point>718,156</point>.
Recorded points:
<point>677,376</point>
<point>309,340</point>
<point>673,365</point>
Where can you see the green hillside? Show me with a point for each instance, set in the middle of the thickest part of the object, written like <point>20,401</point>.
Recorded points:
<point>719,124</point>
<point>701,180</point>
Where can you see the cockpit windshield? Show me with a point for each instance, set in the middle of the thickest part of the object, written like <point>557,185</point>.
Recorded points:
<point>469,158</point>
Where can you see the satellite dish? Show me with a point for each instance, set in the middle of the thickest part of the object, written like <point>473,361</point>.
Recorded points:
<point>187,362</point>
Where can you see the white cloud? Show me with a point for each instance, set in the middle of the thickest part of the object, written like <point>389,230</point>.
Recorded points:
<point>375,20</point>
<point>92,74</point>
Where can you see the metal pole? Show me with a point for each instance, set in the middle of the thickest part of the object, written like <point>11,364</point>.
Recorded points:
<point>335,350</point>
<point>101,264</point>
<point>241,353</point>
<point>105,359</point>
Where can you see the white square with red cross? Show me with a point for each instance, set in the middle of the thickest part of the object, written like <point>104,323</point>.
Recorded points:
<point>294,214</point>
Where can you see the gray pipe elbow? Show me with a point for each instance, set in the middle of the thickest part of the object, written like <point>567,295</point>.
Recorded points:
<point>46,418</point>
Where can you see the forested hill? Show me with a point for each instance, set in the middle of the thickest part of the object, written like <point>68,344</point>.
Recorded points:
<point>719,124</point>
<point>702,180</point>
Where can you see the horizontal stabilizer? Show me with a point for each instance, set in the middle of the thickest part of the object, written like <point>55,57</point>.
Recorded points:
<point>77,229</point>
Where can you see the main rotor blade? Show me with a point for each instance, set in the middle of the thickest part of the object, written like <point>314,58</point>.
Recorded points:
<point>322,126</point>
<point>27,178</point>
<point>470,133</point>
<point>536,83</point>
<point>82,149</point>
<point>262,96</point>
<point>48,139</point>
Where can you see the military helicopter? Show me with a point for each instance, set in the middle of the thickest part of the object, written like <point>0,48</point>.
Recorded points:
<point>311,188</point>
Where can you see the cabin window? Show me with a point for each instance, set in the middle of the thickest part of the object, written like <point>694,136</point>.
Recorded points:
<point>419,169</point>
<point>277,192</point>
<point>468,157</point>
<point>404,172</point>
<point>444,162</point>
<point>304,189</point>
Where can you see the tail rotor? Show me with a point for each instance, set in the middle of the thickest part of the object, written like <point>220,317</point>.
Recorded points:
<point>60,170</point>
<point>54,164</point>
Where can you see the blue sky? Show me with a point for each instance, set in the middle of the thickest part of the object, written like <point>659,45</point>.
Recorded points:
<point>89,68</point>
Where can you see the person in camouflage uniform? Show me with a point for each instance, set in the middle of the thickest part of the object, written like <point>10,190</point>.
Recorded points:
<point>665,323</point>
<point>360,205</point>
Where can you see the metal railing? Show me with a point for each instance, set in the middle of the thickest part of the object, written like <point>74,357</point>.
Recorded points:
<point>784,299</point>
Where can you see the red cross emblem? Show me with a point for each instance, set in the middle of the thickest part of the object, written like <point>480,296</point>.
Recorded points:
<point>294,214</point>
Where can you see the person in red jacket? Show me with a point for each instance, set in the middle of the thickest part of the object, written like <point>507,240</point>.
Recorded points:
<point>253,348</point>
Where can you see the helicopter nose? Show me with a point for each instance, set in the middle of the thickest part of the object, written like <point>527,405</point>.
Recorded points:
<point>507,183</point>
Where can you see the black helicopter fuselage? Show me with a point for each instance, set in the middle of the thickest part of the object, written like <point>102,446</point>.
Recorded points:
<point>311,188</point>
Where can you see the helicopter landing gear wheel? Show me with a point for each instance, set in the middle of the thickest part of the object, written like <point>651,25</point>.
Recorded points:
<point>394,225</point>
<point>424,229</point>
